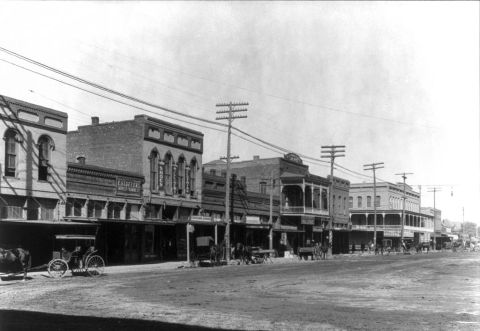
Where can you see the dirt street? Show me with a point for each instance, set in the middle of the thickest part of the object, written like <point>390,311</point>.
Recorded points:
<point>437,291</point>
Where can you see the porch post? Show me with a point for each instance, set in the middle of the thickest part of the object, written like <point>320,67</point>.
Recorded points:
<point>188,242</point>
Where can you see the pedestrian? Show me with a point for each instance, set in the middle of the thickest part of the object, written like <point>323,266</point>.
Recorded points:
<point>353,248</point>
<point>362,247</point>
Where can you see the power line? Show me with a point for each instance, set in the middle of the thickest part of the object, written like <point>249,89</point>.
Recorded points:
<point>149,104</point>
<point>333,109</point>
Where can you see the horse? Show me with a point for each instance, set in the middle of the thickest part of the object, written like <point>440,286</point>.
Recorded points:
<point>324,250</point>
<point>243,253</point>
<point>216,253</point>
<point>420,246</point>
<point>13,260</point>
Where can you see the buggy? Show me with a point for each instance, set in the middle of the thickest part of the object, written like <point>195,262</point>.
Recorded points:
<point>82,258</point>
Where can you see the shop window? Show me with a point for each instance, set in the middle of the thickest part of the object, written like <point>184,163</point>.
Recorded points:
<point>45,146</point>
<point>12,139</point>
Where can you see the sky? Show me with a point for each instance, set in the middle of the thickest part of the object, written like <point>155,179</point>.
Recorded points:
<point>395,82</point>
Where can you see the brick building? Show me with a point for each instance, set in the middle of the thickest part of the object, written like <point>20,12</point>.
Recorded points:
<point>168,156</point>
<point>303,198</point>
<point>33,177</point>
<point>418,226</point>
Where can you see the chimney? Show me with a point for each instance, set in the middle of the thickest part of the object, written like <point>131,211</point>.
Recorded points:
<point>81,158</point>
<point>95,120</point>
<point>256,157</point>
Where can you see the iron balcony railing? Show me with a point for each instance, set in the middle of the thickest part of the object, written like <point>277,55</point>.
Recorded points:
<point>302,210</point>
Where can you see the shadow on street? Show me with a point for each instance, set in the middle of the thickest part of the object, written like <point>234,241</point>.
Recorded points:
<point>12,320</point>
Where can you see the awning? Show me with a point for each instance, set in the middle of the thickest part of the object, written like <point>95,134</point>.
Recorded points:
<point>148,221</point>
<point>287,230</point>
<point>48,222</point>
<point>257,226</point>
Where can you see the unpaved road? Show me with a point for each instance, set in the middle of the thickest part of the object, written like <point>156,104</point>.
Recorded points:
<point>439,291</point>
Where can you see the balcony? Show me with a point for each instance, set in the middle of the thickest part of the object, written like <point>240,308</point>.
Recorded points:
<point>300,210</point>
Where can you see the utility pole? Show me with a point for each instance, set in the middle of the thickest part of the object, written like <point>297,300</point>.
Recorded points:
<point>374,166</point>
<point>404,176</point>
<point>331,152</point>
<point>434,190</point>
<point>230,111</point>
<point>270,219</point>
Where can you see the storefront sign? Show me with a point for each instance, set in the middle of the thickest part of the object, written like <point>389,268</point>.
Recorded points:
<point>252,220</point>
<point>128,186</point>
<point>308,220</point>
<point>317,229</point>
<point>197,218</point>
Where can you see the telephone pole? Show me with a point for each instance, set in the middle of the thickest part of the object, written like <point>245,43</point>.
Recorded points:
<point>434,190</point>
<point>231,110</point>
<point>374,166</point>
<point>331,152</point>
<point>270,219</point>
<point>404,176</point>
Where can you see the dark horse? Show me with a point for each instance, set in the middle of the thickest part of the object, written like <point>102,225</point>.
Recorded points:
<point>324,250</point>
<point>216,253</point>
<point>242,253</point>
<point>15,260</point>
<point>420,246</point>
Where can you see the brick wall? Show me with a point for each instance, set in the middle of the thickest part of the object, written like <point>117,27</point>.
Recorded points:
<point>116,145</point>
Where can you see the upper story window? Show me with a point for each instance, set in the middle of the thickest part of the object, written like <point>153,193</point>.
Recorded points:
<point>377,201</point>
<point>350,202</point>
<point>45,146</point>
<point>153,171</point>
<point>181,176</point>
<point>369,201</point>
<point>324,199</point>
<point>263,187</point>
<point>12,140</point>
<point>168,178</point>
<point>213,172</point>
<point>193,177</point>
<point>359,202</point>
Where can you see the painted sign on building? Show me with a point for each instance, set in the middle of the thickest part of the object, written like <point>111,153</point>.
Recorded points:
<point>127,186</point>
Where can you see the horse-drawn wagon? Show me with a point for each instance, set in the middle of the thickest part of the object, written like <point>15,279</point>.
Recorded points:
<point>81,258</point>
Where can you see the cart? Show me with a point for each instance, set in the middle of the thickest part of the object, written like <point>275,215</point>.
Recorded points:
<point>81,258</point>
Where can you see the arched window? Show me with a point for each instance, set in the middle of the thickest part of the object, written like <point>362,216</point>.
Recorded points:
<point>359,202</point>
<point>45,146</point>
<point>192,177</point>
<point>12,138</point>
<point>369,201</point>
<point>181,176</point>
<point>153,171</point>
<point>167,181</point>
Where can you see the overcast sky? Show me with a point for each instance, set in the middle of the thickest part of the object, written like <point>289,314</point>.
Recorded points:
<point>395,82</point>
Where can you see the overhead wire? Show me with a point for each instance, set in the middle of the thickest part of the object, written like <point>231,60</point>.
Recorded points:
<point>140,101</point>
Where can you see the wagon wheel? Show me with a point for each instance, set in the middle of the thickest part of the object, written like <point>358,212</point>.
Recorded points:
<point>95,265</point>
<point>57,268</point>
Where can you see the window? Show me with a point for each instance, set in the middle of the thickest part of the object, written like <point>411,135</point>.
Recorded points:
<point>212,172</point>
<point>73,208</point>
<point>168,173</point>
<point>350,202</point>
<point>114,210</point>
<point>181,176</point>
<point>153,171</point>
<point>377,201</point>
<point>324,200</point>
<point>359,202</point>
<point>11,151</point>
<point>369,201</point>
<point>344,205</point>
<point>44,147</point>
<point>263,187</point>
<point>193,177</point>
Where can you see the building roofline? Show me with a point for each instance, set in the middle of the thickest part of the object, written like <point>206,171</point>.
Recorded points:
<point>33,106</point>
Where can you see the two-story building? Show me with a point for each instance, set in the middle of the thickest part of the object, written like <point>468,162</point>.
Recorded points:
<point>303,198</point>
<point>33,178</point>
<point>389,201</point>
<point>250,211</point>
<point>167,156</point>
